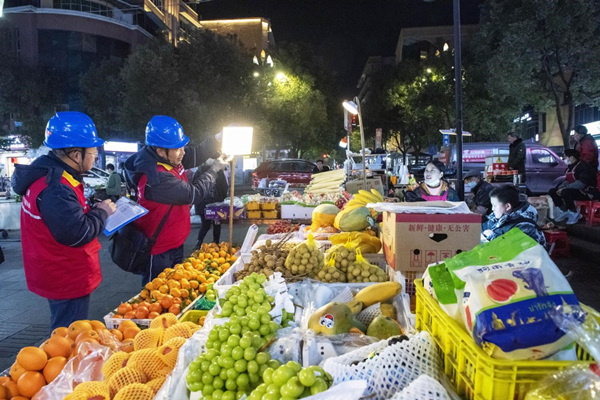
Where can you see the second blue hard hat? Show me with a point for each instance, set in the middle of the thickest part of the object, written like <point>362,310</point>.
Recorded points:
<point>165,132</point>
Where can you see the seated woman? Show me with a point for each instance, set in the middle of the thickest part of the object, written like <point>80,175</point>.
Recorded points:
<point>579,185</point>
<point>509,212</point>
<point>434,188</point>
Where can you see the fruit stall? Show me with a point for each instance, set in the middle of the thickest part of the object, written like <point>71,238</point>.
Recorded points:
<point>370,300</point>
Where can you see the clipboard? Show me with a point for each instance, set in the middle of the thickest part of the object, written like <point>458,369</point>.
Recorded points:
<point>127,211</point>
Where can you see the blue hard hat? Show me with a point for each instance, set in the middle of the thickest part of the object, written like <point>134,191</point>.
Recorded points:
<point>71,129</point>
<point>165,132</point>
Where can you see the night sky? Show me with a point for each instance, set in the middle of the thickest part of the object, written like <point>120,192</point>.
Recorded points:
<point>345,33</point>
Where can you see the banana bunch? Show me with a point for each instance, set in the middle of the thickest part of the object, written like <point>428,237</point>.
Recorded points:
<point>362,198</point>
<point>366,242</point>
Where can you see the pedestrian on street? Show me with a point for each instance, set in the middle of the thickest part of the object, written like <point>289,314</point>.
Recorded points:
<point>586,146</point>
<point>113,186</point>
<point>580,184</point>
<point>517,154</point>
<point>59,229</point>
<point>320,167</point>
<point>218,195</point>
<point>434,187</point>
<point>158,173</point>
<point>509,212</point>
<point>480,189</point>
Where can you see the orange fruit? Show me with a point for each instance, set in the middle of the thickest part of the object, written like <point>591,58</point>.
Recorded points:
<point>175,309</point>
<point>3,392</point>
<point>87,334</point>
<point>30,383</point>
<point>155,307</point>
<point>152,315</point>
<point>130,333</point>
<point>4,379</point>
<point>141,312</point>
<point>123,308</point>
<point>97,325</point>
<point>117,333</point>
<point>16,370</point>
<point>166,302</point>
<point>77,327</point>
<point>57,346</point>
<point>20,398</point>
<point>60,331</point>
<point>53,367</point>
<point>12,389</point>
<point>127,324</point>
<point>129,315</point>
<point>127,346</point>
<point>32,358</point>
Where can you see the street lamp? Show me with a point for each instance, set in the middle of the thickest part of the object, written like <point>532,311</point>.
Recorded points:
<point>353,107</point>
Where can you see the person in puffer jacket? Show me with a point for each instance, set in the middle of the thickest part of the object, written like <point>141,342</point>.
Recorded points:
<point>509,212</point>
<point>158,173</point>
<point>59,229</point>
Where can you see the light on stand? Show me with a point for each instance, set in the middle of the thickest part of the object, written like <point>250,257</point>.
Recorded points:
<point>353,107</point>
<point>237,141</point>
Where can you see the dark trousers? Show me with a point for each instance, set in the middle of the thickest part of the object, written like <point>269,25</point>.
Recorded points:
<point>567,198</point>
<point>159,262</point>
<point>63,312</point>
<point>206,225</point>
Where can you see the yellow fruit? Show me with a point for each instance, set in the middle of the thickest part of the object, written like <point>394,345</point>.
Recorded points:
<point>378,293</point>
<point>57,346</point>
<point>53,367</point>
<point>77,327</point>
<point>16,370</point>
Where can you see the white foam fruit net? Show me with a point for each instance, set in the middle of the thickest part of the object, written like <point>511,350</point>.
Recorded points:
<point>423,388</point>
<point>387,368</point>
<point>367,315</point>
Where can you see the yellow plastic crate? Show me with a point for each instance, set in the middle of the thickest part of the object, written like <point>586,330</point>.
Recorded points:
<point>193,316</point>
<point>473,373</point>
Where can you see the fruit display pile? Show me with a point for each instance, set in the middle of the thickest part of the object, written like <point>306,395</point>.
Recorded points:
<point>283,226</point>
<point>142,371</point>
<point>291,381</point>
<point>35,367</point>
<point>176,288</point>
<point>235,357</point>
<point>267,259</point>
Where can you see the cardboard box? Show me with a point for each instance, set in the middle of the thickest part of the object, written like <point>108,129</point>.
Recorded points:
<point>372,183</point>
<point>218,211</point>
<point>413,241</point>
<point>296,211</point>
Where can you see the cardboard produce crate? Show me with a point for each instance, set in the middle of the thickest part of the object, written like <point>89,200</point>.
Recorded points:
<point>413,241</point>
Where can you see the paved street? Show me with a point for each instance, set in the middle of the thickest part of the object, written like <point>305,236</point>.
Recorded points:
<point>24,317</point>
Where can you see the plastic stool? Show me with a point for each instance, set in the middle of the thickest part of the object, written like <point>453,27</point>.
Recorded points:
<point>584,208</point>
<point>557,238</point>
<point>594,213</point>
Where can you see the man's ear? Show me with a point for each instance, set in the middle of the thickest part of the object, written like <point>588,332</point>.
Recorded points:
<point>509,207</point>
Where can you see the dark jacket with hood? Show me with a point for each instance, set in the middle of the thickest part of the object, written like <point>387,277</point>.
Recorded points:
<point>58,204</point>
<point>517,154</point>
<point>218,194</point>
<point>481,194</point>
<point>523,217</point>
<point>161,185</point>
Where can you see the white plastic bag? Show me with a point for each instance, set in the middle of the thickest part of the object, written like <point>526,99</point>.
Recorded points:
<point>423,388</point>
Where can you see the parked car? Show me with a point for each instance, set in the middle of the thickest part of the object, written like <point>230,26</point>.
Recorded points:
<point>544,169</point>
<point>294,171</point>
<point>95,177</point>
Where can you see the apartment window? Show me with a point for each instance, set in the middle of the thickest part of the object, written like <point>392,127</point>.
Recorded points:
<point>585,114</point>
<point>423,55</point>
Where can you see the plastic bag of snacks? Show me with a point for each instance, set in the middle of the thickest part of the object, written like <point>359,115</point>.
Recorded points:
<point>506,290</point>
<point>388,366</point>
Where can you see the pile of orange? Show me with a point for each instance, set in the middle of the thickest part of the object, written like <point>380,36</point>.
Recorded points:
<point>175,288</point>
<point>35,367</point>
<point>141,373</point>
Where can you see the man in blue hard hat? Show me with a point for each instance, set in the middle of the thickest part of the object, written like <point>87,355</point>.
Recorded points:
<point>158,173</point>
<point>59,229</point>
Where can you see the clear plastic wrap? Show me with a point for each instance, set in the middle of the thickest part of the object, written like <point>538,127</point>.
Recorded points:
<point>85,367</point>
<point>575,383</point>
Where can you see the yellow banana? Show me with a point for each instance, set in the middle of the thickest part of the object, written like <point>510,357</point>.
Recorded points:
<point>369,196</point>
<point>377,194</point>
<point>366,248</point>
<point>378,293</point>
<point>355,306</point>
